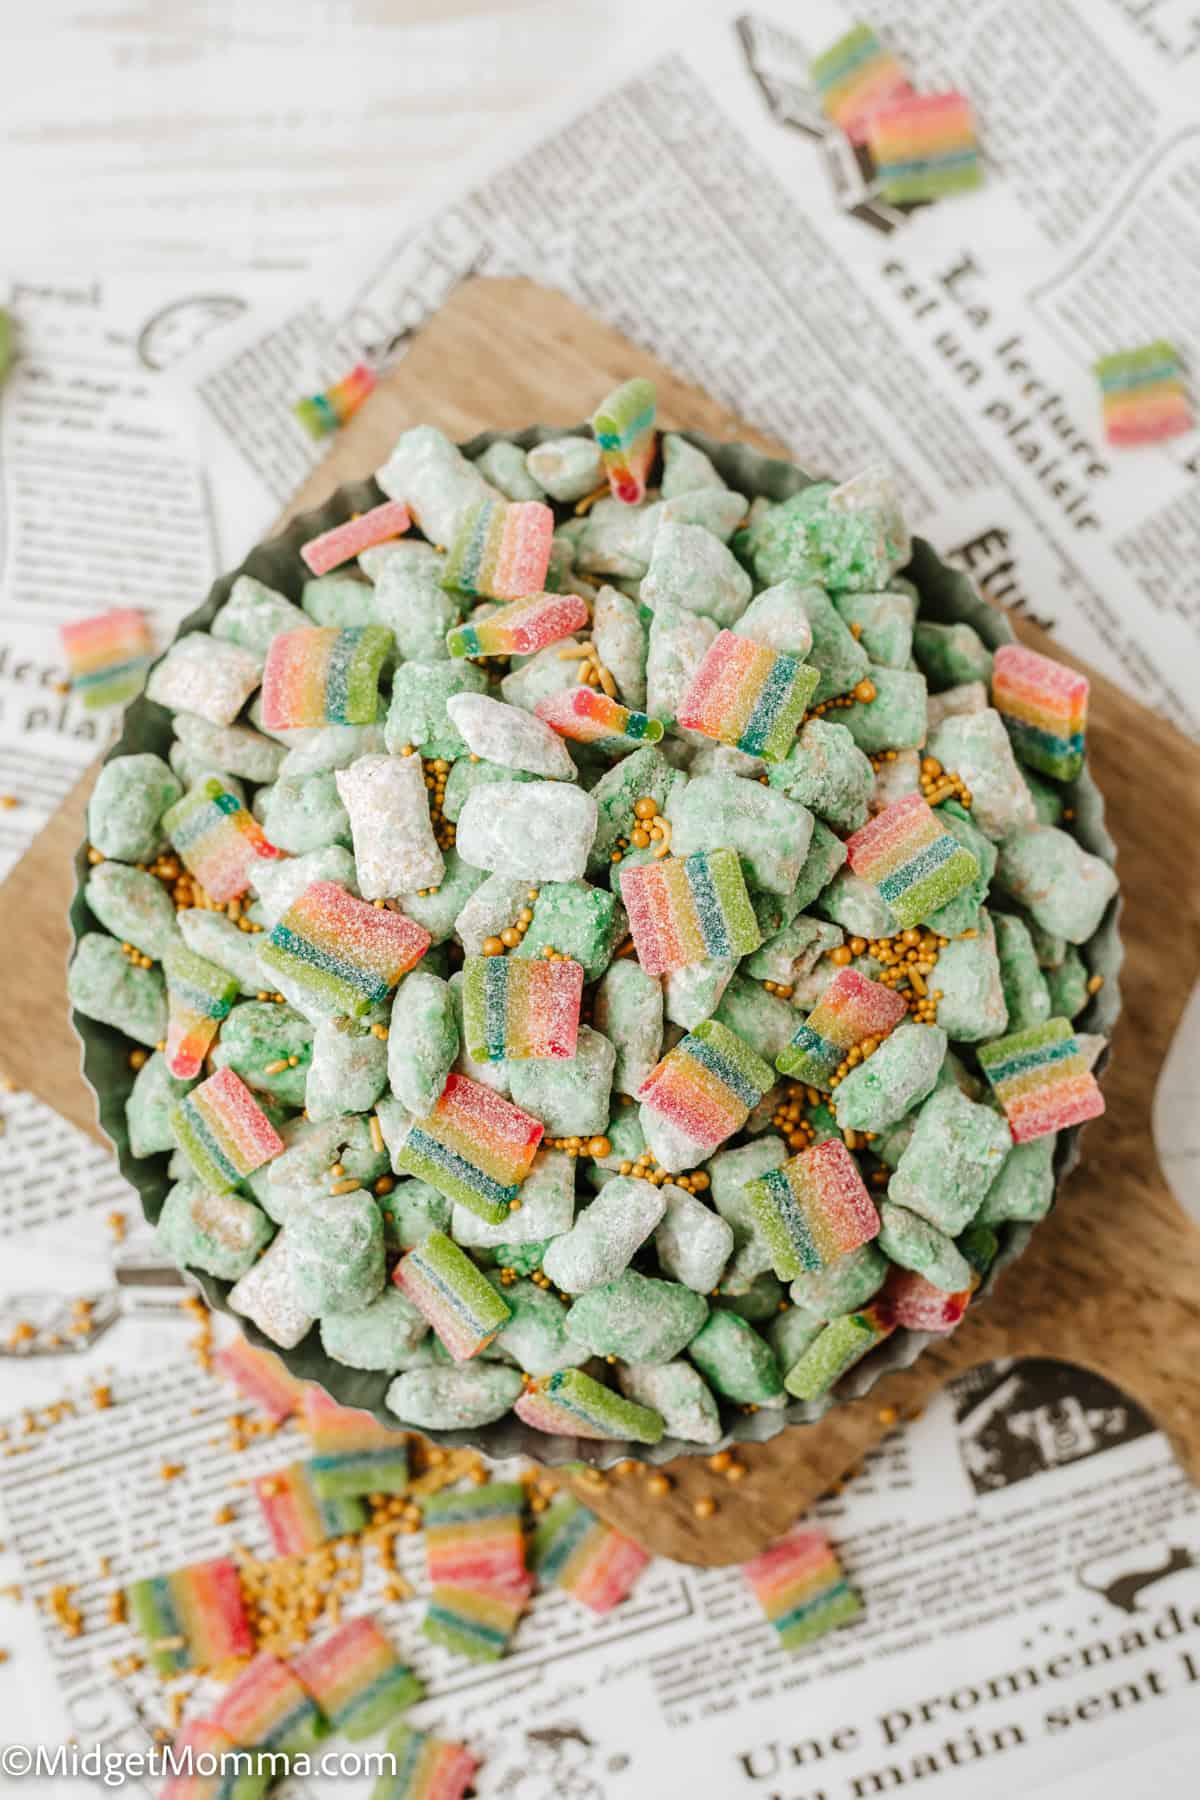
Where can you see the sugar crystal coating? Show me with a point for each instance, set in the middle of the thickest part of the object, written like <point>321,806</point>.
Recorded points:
<point>914,862</point>
<point>501,550</point>
<point>624,428</point>
<point>356,1679</point>
<point>323,676</point>
<point>475,1147</point>
<point>343,542</point>
<point>1041,1080</point>
<point>521,628</point>
<point>1044,708</point>
<point>518,1008</point>
<point>223,1131</point>
<point>344,955</point>
<point>747,695</point>
<point>814,1209</point>
<point>217,839</point>
<point>799,1584</point>
<point>683,909</point>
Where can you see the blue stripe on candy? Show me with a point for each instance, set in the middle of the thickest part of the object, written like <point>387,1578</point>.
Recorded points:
<point>821,1050</point>
<point>495,1006</point>
<point>793,1220</point>
<point>924,863</point>
<point>567,1539</point>
<point>930,165</point>
<point>709,914</point>
<point>452,1164</point>
<point>738,1084</point>
<point>773,697</point>
<point>337,676</point>
<point>800,1615</point>
<point>208,1143</point>
<point>1042,1058</point>
<point>294,945</point>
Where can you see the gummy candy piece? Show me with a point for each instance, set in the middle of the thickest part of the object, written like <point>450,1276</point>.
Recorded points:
<point>520,629</point>
<point>108,656</point>
<point>344,953</point>
<point>799,1584</point>
<point>916,864</point>
<point>701,1093</point>
<point>855,77</point>
<point>199,996</point>
<point>218,841</point>
<point>199,1738</point>
<point>351,1452</point>
<point>323,413</point>
<point>474,1539</point>
<point>427,1768</point>
<point>261,1377</point>
<point>852,1009</point>
<point>520,1007</point>
<point>911,1301</point>
<point>223,1131</point>
<point>1041,1080</point>
<point>571,1404</point>
<point>1044,708</point>
<point>501,550</point>
<point>581,1553</point>
<point>297,1517</point>
<point>624,428</point>
<point>686,908</point>
<point>923,147</point>
<point>843,1343</point>
<point>266,1708</point>
<point>814,1209</point>
<point>475,1622</point>
<point>446,1287</point>
<point>339,545</point>
<point>321,675</point>
<point>591,717</point>
<point>356,1679</point>
<point>475,1147</point>
<point>191,1618</point>
<point>1143,394</point>
<point>748,695</point>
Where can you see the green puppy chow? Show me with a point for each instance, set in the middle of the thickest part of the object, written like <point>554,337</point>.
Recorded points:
<point>280,883</point>
<point>229,749</point>
<point>411,1211</point>
<point>411,601</point>
<point>977,747</point>
<point>900,1075</point>
<point>760,1019</point>
<point>693,1243</point>
<point>606,1234</point>
<point>1064,887</point>
<point>1024,1188</point>
<point>857,906</point>
<point>569,1095</point>
<point>628,1009</point>
<point>537,1337</point>
<point>567,468</point>
<point>735,1361</point>
<point>204,675</point>
<point>454,1398</point>
<point>972,1005</point>
<point>913,1243</point>
<point>343,599</point>
<point>949,655</point>
<point>758,1302</point>
<point>622,644</point>
<point>679,1393</point>
<point>678,642</point>
<point>827,772</point>
<point>885,625</point>
<point>348,1069</point>
<point>793,952</point>
<point>618,540</point>
<point>257,1038</point>
<point>826,855</point>
<point>471,772</point>
<point>778,619</point>
<point>506,466</point>
<point>438,909</point>
<point>844,1286</point>
<point>952,1160</point>
<point>791,1333</point>
<point>578,921</point>
<point>303,812</point>
<point>379,1337</point>
<point>637,1318</point>
<point>315,748</point>
<point>218,940</point>
<point>104,985</point>
<point>770,833</point>
<point>534,678</point>
<point>417,716</point>
<point>693,993</point>
<point>547,1208</point>
<point>422,1040</point>
<point>219,1234</point>
<point>1025,992</point>
<point>147,1110</point>
<point>134,906</point>
<point>1068,986</point>
<point>895,719</point>
<point>253,614</point>
<point>335,1249</point>
<point>127,804</point>
<point>714,510</point>
<point>686,467</point>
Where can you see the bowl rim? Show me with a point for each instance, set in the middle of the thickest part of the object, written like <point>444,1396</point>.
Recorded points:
<point>948,596</point>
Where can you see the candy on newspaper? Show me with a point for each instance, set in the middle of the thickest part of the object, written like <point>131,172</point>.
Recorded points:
<point>267,1708</point>
<point>325,412</point>
<point>924,146</point>
<point>566,916</point>
<point>192,1618</point>
<point>593,1561</point>
<point>108,656</point>
<point>297,1517</point>
<point>425,1768</point>
<point>799,1584</point>
<point>261,1377</point>
<point>356,1679</point>
<point>1143,394</point>
<point>855,77</point>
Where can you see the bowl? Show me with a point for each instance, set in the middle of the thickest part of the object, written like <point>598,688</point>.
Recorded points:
<point>948,597</point>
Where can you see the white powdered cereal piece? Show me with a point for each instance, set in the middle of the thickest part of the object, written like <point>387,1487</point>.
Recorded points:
<point>435,480</point>
<point>620,640</point>
<point>968,697</point>
<point>266,1295</point>
<point>540,830</point>
<point>691,568</point>
<point>508,736</point>
<point>205,675</point>
<point>693,1242</point>
<point>394,847</point>
<point>977,747</point>
<point>605,1236</point>
<point>547,1208</point>
<point>677,1391</point>
<point>492,908</point>
<point>567,467</point>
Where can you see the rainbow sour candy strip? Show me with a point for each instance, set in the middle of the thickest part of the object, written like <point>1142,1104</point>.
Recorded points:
<point>591,717</point>
<point>199,996</point>
<point>914,862</point>
<point>474,1539</point>
<point>108,656</point>
<point>624,428</point>
<point>799,1584</point>
<point>198,1738</point>
<point>352,1453</point>
<point>266,1708</point>
<point>475,1147</point>
<point>192,1618</point>
<point>748,695</point>
<point>856,77</point>
<point>843,1343</point>
<point>346,953</point>
<point>297,1517</point>
<point>852,1009</point>
<point>706,1085</point>
<point>332,548</point>
<point>447,1289</point>
<point>924,147</point>
<point>261,1377</point>
<point>223,1131</point>
<point>909,1300</point>
<point>1044,708</point>
<point>323,675</point>
<point>1143,394</point>
<point>321,414</point>
<point>1041,1080</point>
<point>515,1007</point>
<point>813,1210</point>
<point>475,1622</point>
<point>217,839</point>
<point>427,1768</point>
<point>580,1553</point>
<point>356,1678</point>
<point>521,628</point>
<point>501,551</point>
<point>572,1404</point>
<point>686,908</point>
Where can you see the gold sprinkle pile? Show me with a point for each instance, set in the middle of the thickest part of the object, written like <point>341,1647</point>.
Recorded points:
<point>651,828</point>
<point>512,934</point>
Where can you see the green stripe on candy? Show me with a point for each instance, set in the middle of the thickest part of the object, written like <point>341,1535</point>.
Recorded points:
<point>194,1137</point>
<point>814,1618</point>
<point>783,1226</point>
<point>842,1344</point>
<point>428,1158</point>
<point>152,1609</point>
<point>349,988</point>
<point>931,878</point>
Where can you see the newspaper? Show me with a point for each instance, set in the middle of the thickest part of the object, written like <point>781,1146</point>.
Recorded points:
<point>1027,1552</point>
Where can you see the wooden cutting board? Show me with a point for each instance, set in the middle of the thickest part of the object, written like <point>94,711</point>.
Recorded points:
<point>1112,1279</point>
